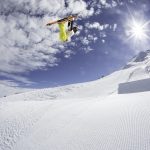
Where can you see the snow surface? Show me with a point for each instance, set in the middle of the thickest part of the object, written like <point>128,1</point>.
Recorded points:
<point>85,116</point>
<point>120,122</point>
<point>6,90</point>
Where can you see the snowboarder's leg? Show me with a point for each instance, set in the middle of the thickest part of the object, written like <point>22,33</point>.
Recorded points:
<point>62,33</point>
<point>70,25</point>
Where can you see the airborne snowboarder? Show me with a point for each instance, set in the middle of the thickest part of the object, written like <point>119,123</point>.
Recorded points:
<point>65,35</point>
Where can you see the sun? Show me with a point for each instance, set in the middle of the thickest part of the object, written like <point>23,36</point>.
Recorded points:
<point>138,30</point>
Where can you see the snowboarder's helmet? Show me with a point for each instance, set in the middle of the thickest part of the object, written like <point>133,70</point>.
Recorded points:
<point>75,29</point>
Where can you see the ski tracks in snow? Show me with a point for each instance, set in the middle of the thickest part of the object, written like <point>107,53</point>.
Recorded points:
<point>118,122</point>
<point>17,119</point>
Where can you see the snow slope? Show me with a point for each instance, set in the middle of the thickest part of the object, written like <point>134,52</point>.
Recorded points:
<point>85,116</point>
<point>120,122</point>
<point>105,86</point>
<point>6,90</point>
<point>137,69</point>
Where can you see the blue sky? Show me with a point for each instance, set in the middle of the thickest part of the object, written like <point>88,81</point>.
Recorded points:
<point>33,57</point>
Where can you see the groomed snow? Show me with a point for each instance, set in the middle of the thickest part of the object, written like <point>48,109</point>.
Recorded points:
<point>119,122</point>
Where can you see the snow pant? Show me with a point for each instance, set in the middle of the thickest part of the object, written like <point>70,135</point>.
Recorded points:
<point>62,32</point>
<point>70,25</point>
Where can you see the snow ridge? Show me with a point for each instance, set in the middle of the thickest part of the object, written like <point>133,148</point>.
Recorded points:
<point>142,58</point>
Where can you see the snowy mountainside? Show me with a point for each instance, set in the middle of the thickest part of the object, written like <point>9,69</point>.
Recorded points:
<point>6,90</point>
<point>137,69</point>
<point>142,57</point>
<point>141,65</point>
<point>85,116</point>
<point>102,87</point>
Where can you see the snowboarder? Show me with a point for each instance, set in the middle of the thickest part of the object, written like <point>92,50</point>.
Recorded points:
<point>65,35</point>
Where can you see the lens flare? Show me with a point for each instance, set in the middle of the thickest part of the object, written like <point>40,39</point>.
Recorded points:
<point>138,30</point>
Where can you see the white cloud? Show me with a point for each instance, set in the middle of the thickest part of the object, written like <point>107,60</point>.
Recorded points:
<point>114,27</point>
<point>88,49</point>
<point>85,41</point>
<point>88,13</point>
<point>114,3</point>
<point>51,5</point>
<point>98,11</point>
<point>96,25</point>
<point>8,83</point>
<point>103,35</point>
<point>68,53</point>
<point>103,41</point>
<point>79,7</point>
<point>105,4</point>
<point>17,78</point>
<point>26,43</point>
<point>88,39</point>
<point>92,37</point>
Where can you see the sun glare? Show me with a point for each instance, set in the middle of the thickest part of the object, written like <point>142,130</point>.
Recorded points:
<point>138,31</point>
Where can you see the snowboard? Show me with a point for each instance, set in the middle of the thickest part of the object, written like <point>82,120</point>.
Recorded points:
<point>66,19</point>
